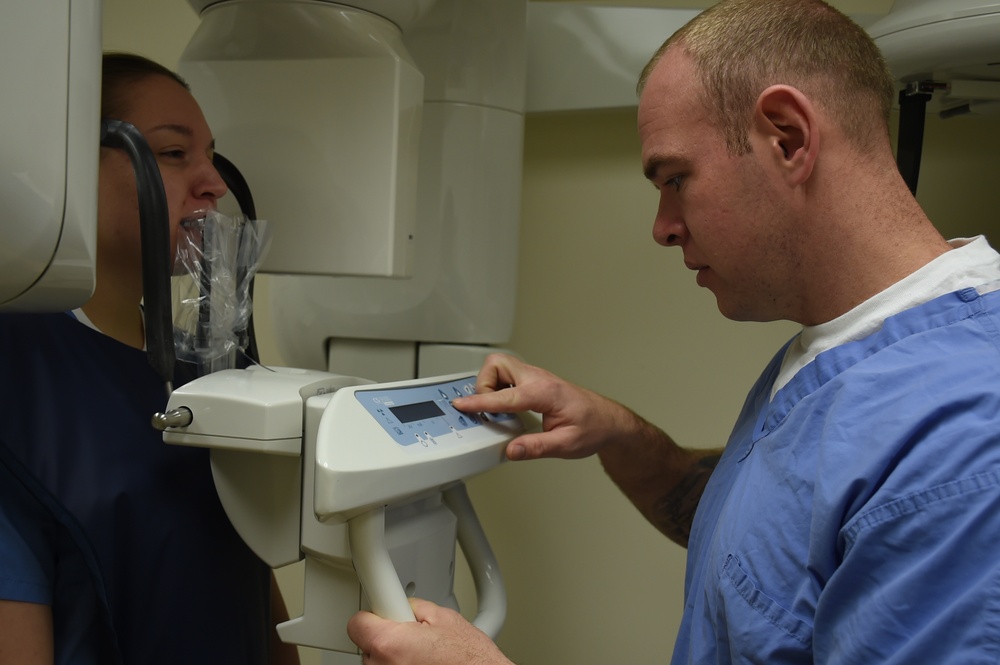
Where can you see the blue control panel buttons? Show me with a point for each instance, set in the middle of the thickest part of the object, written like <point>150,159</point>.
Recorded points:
<point>420,415</point>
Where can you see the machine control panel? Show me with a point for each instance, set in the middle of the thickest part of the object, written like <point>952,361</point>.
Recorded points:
<point>377,444</point>
<point>422,416</point>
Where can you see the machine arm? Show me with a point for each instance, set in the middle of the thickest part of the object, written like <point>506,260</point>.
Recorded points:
<point>154,223</point>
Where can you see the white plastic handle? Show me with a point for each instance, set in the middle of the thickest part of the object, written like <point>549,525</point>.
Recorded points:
<point>491,595</point>
<point>374,567</point>
<point>381,582</point>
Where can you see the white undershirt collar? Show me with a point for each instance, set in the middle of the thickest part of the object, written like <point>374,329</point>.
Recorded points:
<point>972,263</point>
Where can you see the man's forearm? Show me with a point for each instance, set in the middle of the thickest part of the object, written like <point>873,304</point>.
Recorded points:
<point>674,513</point>
<point>664,481</point>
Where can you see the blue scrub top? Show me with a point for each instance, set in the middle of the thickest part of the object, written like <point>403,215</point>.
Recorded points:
<point>855,518</point>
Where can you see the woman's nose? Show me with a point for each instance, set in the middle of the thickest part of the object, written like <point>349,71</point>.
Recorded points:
<point>210,185</point>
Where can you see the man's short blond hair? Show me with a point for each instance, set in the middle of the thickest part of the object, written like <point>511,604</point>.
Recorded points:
<point>740,47</point>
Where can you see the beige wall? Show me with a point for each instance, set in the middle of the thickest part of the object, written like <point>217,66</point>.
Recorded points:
<point>589,581</point>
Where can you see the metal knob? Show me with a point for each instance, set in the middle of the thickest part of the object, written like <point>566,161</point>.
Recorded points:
<point>181,417</point>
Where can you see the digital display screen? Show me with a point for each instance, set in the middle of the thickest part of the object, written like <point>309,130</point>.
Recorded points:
<point>408,413</point>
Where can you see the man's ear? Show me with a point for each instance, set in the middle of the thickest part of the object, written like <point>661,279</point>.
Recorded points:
<point>786,122</point>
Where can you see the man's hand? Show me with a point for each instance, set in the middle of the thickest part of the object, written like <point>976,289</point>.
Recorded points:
<point>576,422</point>
<point>662,480</point>
<point>439,636</point>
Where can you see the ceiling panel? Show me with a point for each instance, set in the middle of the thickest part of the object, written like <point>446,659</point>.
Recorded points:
<point>863,10</point>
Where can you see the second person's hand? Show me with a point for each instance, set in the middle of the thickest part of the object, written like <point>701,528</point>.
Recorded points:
<point>576,422</point>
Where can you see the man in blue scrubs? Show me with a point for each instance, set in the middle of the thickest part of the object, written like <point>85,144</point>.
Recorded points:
<point>854,514</point>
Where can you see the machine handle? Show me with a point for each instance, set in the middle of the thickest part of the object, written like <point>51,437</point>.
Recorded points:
<point>380,581</point>
<point>180,417</point>
<point>374,567</point>
<point>490,592</point>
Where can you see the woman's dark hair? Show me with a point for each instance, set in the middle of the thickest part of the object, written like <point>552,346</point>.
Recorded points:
<point>122,70</point>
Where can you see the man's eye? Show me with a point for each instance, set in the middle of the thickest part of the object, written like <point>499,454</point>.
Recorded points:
<point>675,182</point>
<point>172,154</point>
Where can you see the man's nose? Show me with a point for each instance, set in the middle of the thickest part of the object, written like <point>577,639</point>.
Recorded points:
<point>669,229</point>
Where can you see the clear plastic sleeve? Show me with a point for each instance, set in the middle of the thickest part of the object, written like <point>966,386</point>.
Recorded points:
<point>216,260</point>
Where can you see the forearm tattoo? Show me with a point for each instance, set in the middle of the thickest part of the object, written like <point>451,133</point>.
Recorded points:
<point>674,513</point>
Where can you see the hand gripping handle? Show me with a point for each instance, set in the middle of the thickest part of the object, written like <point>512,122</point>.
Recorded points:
<point>381,583</point>
<point>374,567</point>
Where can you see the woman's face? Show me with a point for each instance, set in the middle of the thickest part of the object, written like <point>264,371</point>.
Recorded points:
<point>172,123</point>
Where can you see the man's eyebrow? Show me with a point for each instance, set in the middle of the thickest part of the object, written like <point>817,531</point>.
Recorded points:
<point>657,162</point>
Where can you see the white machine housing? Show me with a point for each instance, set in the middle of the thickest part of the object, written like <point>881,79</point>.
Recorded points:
<point>362,480</point>
<point>350,158</point>
<point>48,167</point>
<point>956,42</point>
<point>342,168</point>
<point>399,158</point>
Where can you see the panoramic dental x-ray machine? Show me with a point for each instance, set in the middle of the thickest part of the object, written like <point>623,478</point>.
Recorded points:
<point>382,142</point>
<point>330,117</point>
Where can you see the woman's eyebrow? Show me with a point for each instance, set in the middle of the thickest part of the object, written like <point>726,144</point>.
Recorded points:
<point>172,127</point>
